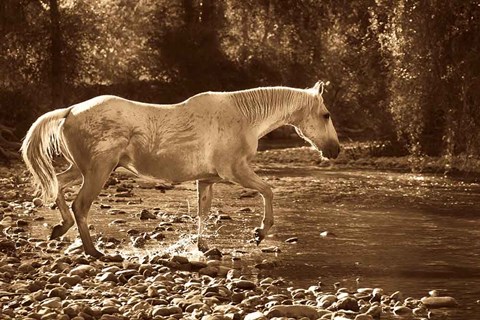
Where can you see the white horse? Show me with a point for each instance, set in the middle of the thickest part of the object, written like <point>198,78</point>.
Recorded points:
<point>211,137</point>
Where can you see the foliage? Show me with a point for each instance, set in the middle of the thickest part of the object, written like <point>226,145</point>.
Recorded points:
<point>406,71</point>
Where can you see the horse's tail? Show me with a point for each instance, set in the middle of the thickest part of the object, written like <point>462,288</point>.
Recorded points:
<point>43,140</point>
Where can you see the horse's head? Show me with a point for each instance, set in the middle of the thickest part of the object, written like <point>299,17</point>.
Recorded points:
<point>314,124</point>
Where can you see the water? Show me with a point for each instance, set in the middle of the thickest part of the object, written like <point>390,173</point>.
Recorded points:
<point>397,231</point>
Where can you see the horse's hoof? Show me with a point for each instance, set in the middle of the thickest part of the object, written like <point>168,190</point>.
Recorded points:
<point>95,254</point>
<point>57,232</point>
<point>202,246</point>
<point>258,235</point>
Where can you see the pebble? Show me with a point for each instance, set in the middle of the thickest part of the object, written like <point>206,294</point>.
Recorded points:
<point>293,311</point>
<point>363,316</point>
<point>439,302</point>
<point>245,285</point>
<point>292,240</point>
<point>70,280</point>
<point>147,215</point>
<point>83,271</point>
<point>402,311</point>
<point>257,315</point>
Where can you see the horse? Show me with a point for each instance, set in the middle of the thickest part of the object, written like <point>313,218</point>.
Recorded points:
<point>210,137</point>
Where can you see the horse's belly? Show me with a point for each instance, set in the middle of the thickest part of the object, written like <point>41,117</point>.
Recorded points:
<point>176,166</point>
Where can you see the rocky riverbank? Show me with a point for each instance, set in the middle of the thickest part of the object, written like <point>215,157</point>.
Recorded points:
<point>37,281</point>
<point>41,279</point>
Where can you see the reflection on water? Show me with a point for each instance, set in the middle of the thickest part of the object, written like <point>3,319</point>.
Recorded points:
<point>398,231</point>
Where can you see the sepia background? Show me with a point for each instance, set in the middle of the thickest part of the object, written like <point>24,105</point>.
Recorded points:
<point>402,72</point>
<point>398,210</point>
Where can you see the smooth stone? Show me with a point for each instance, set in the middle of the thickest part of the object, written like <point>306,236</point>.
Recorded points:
<point>197,265</point>
<point>397,296</point>
<point>71,280</point>
<point>83,271</point>
<point>209,271</point>
<point>327,300</point>
<point>52,303</point>
<point>127,273</point>
<point>363,316</point>
<point>112,258</point>
<point>106,277</point>
<point>434,293</point>
<point>60,292</point>
<point>293,311</point>
<point>292,240</point>
<point>272,249</point>
<point>402,311</point>
<point>257,315</point>
<point>146,215</point>
<point>179,259</point>
<point>245,285</point>
<point>439,302</point>
<point>348,304</point>
<point>213,253</point>
<point>375,311</point>
<point>165,311</point>
<point>109,310</point>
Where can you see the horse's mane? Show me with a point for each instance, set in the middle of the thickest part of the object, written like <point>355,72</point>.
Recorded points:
<point>260,103</point>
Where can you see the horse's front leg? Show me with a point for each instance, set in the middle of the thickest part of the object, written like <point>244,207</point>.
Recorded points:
<point>204,197</point>
<point>246,177</point>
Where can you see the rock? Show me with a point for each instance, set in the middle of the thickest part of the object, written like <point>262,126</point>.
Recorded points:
<point>119,221</point>
<point>37,202</point>
<point>293,311</point>
<point>209,271</point>
<point>326,234</point>
<point>112,258</point>
<point>197,265</point>
<point>348,304</point>
<point>244,285</point>
<point>434,293</point>
<point>272,249</point>
<point>146,215</point>
<point>107,276</point>
<point>214,252</point>
<point>165,311</point>
<point>375,311</point>
<point>363,316</point>
<point>402,311</point>
<point>71,280</point>
<point>439,302</point>
<point>179,259</point>
<point>83,271</point>
<point>397,296</point>
<point>60,292</point>
<point>257,315</point>
<point>109,310</point>
<point>7,245</point>
<point>327,300</point>
<point>22,223</point>
<point>52,303</point>
<point>292,240</point>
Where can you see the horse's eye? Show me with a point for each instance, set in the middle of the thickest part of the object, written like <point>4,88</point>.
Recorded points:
<point>326,116</point>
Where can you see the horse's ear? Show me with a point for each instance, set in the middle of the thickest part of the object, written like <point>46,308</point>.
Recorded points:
<point>320,86</point>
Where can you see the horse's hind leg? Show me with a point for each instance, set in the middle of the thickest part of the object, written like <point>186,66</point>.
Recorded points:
<point>93,180</point>
<point>66,178</point>
<point>242,174</point>
<point>204,194</point>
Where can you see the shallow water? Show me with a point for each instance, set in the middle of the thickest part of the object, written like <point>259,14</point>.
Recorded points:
<point>397,231</point>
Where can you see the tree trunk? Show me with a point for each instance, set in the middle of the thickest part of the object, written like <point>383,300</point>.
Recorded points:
<point>57,75</point>
<point>9,145</point>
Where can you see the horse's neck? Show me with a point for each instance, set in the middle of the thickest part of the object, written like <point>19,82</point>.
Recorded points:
<point>270,124</point>
<point>266,109</point>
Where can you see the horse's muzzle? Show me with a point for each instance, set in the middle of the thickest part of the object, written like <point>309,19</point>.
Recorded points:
<point>331,151</point>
